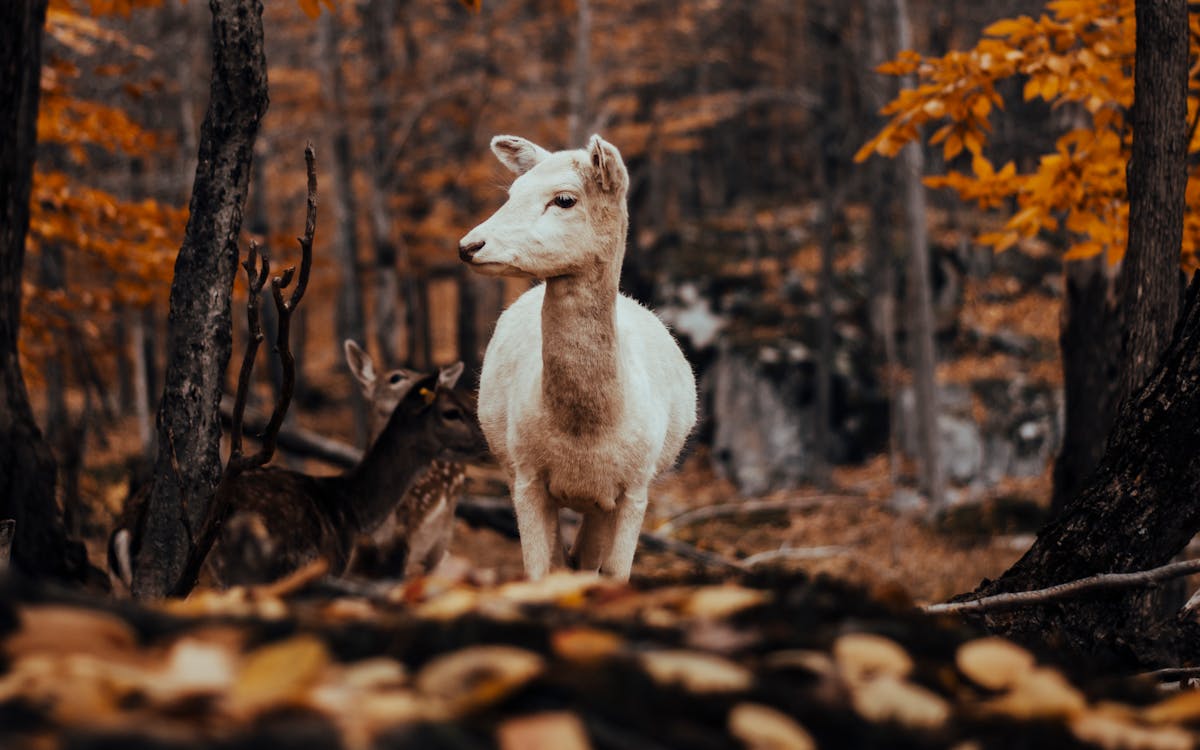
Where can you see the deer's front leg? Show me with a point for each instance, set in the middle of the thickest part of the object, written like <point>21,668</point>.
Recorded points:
<point>630,511</point>
<point>537,523</point>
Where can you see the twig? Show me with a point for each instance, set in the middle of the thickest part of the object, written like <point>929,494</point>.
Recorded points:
<point>659,543</point>
<point>1173,673</point>
<point>294,581</point>
<point>747,507</point>
<point>1059,591</point>
<point>795,553</point>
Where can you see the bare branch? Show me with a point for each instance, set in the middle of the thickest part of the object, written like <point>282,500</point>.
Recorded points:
<point>655,541</point>
<point>1097,582</point>
<point>254,285</point>
<point>287,387</point>
<point>746,508</point>
<point>795,553</point>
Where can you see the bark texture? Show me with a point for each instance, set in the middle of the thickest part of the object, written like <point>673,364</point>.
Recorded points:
<point>188,465</point>
<point>27,472</point>
<point>1155,181</point>
<point>1139,509</point>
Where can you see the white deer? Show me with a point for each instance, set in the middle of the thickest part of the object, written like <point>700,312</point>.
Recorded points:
<point>584,397</point>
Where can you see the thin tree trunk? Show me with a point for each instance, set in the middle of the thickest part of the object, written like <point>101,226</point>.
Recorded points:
<point>349,323</point>
<point>880,242</point>
<point>1090,344</point>
<point>27,472</point>
<point>378,51</point>
<point>578,113</point>
<point>141,366</point>
<point>188,463</point>
<point>920,302</point>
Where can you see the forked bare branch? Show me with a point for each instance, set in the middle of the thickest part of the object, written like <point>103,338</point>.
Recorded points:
<point>256,277</point>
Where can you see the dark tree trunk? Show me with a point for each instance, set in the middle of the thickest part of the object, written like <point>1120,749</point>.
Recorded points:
<point>27,473</point>
<point>1155,182</point>
<point>188,465</point>
<point>1090,342</point>
<point>1142,504</point>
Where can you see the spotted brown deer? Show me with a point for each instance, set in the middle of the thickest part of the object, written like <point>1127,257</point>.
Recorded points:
<point>282,519</point>
<point>414,538</point>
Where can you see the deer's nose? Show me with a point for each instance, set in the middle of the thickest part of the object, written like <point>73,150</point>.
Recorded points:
<point>467,250</point>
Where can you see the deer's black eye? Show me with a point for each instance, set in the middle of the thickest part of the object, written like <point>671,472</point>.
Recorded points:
<point>395,378</point>
<point>564,201</point>
<point>452,414</point>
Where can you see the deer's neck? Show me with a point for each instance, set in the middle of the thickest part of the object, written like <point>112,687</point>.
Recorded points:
<point>369,492</point>
<point>580,362</point>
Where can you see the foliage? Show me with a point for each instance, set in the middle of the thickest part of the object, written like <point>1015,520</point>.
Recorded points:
<point>1078,57</point>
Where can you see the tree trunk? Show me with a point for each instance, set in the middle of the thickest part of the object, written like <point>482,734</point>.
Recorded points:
<point>349,323</point>
<point>1155,182</point>
<point>378,52</point>
<point>1142,504</point>
<point>578,105</point>
<point>188,465</point>
<point>881,269</point>
<point>1090,343</point>
<point>27,473</point>
<point>920,302</point>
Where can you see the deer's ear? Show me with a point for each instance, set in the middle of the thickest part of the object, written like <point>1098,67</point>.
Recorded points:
<point>422,394</point>
<point>448,376</point>
<point>518,154</point>
<point>360,363</point>
<point>608,168</point>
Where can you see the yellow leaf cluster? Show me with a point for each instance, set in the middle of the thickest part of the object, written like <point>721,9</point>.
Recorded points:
<point>1079,53</point>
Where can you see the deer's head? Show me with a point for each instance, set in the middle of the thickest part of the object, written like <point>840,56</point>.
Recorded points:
<point>384,392</point>
<point>565,213</point>
<point>439,420</point>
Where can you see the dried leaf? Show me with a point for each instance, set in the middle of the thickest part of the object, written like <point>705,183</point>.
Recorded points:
<point>279,673</point>
<point>696,672</point>
<point>193,668</point>
<point>863,656</point>
<point>585,645</point>
<point>1180,708</point>
<point>449,605</point>
<point>557,730</point>
<point>478,676</point>
<point>1041,694</point>
<point>761,727</point>
<point>563,588</point>
<point>1113,733</point>
<point>717,602</point>
<point>993,663</point>
<point>57,629</point>
<point>890,698</point>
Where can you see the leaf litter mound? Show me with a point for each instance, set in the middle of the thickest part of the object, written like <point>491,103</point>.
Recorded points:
<point>573,661</point>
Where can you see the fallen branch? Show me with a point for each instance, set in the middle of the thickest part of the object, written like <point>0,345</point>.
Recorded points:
<point>299,441</point>
<point>1170,674</point>
<point>1063,590</point>
<point>745,508</point>
<point>795,553</point>
<point>659,543</point>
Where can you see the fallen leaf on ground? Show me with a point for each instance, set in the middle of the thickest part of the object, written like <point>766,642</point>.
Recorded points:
<point>557,730</point>
<point>696,671</point>
<point>761,727</point>
<point>477,676</point>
